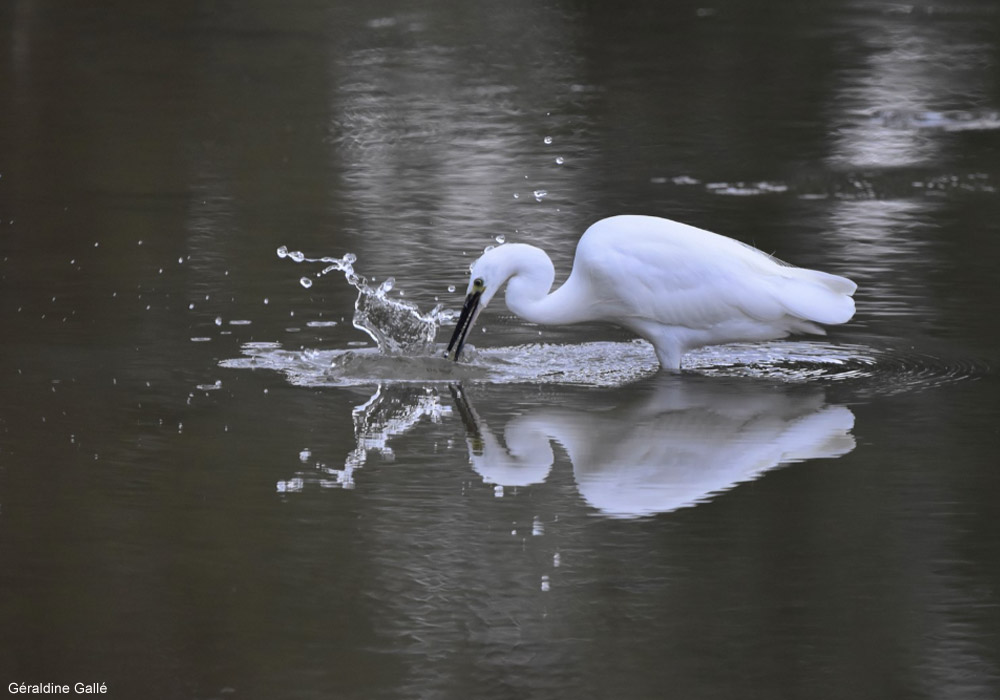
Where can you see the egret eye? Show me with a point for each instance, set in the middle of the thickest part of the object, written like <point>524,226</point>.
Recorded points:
<point>478,283</point>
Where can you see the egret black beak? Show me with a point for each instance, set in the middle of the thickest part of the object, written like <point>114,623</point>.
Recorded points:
<point>470,312</point>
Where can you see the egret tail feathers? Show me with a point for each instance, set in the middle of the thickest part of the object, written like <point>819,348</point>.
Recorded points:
<point>835,283</point>
<point>818,296</point>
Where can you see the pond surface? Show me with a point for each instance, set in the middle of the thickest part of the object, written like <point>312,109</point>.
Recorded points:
<point>212,486</point>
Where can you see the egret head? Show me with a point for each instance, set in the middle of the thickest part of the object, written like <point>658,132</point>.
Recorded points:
<point>488,275</point>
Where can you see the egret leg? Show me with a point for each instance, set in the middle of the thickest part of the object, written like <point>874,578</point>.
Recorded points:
<point>667,344</point>
<point>670,358</point>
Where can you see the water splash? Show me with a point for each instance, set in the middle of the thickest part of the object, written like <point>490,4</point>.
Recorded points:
<point>398,327</point>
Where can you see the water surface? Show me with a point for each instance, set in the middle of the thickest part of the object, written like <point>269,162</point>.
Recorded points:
<point>212,486</point>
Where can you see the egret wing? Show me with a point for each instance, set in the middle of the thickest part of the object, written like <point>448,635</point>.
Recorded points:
<point>675,280</point>
<point>650,269</point>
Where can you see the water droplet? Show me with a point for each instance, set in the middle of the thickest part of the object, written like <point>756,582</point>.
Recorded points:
<point>501,239</point>
<point>305,454</point>
<point>190,306</point>
<point>498,491</point>
<point>266,300</point>
<point>539,195</point>
<point>547,140</point>
<point>517,196</point>
<point>560,160</point>
<point>451,288</point>
<point>306,282</point>
<point>297,256</point>
<point>537,528</point>
<point>282,252</point>
<point>180,260</point>
<point>218,320</point>
<point>545,583</point>
<point>488,248</point>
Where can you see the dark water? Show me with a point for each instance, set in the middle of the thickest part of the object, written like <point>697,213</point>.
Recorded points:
<point>183,515</point>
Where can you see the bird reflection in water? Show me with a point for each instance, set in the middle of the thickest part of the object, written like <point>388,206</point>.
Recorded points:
<point>655,446</point>
<point>665,444</point>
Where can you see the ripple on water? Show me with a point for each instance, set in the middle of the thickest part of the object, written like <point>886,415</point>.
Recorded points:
<point>880,369</point>
<point>951,120</point>
<point>875,369</point>
<point>885,183</point>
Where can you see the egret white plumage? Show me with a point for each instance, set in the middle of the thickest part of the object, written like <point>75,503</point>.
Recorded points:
<point>677,286</point>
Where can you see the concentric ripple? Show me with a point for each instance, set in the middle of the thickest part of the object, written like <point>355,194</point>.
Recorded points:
<point>884,369</point>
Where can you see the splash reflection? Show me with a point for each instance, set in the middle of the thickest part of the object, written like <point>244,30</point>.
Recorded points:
<point>390,411</point>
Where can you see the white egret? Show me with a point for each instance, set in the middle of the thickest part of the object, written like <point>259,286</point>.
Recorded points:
<point>677,286</point>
